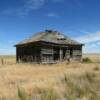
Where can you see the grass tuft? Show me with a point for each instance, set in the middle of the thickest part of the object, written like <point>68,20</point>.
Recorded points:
<point>90,76</point>
<point>49,95</point>
<point>96,68</point>
<point>22,94</point>
<point>87,60</point>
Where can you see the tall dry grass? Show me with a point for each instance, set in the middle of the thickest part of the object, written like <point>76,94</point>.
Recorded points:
<point>74,81</point>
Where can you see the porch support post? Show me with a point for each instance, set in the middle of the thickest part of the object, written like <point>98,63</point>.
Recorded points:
<point>17,57</point>
<point>61,54</point>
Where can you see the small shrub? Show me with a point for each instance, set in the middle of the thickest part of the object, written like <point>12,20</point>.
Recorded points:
<point>2,61</point>
<point>71,97</point>
<point>65,79</point>
<point>49,95</point>
<point>22,94</point>
<point>86,60</point>
<point>90,76</point>
<point>96,68</point>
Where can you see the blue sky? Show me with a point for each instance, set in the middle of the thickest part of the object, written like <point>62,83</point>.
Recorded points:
<point>78,19</point>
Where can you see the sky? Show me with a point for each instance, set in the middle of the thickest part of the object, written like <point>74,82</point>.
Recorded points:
<point>78,19</point>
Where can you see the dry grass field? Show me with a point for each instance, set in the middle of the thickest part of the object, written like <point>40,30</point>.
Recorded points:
<point>63,81</point>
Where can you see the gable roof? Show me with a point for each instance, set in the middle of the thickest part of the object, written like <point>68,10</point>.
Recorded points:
<point>49,36</point>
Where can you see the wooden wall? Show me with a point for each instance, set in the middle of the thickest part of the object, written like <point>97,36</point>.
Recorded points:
<point>47,54</point>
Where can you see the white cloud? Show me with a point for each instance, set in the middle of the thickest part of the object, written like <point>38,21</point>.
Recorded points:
<point>52,15</point>
<point>91,48</point>
<point>93,37</point>
<point>91,41</point>
<point>83,31</point>
<point>10,41</point>
<point>25,8</point>
<point>33,4</point>
<point>30,5</point>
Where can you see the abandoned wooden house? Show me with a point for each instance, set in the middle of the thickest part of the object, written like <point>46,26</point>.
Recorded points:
<point>48,47</point>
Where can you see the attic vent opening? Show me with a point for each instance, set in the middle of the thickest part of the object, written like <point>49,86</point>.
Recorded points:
<point>61,37</point>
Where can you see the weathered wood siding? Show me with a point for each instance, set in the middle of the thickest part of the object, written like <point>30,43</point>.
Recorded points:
<point>42,53</point>
<point>47,55</point>
<point>76,53</point>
